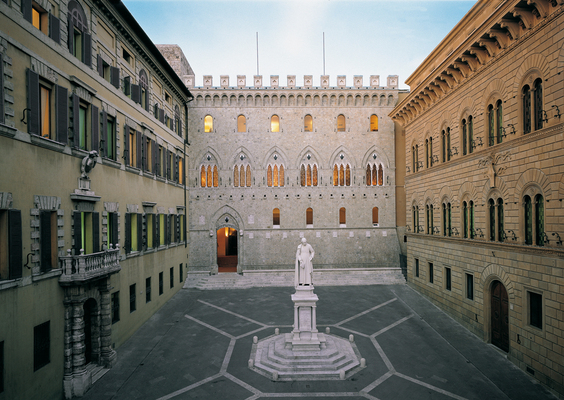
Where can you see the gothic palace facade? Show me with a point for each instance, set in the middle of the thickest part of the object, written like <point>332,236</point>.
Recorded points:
<point>484,185</point>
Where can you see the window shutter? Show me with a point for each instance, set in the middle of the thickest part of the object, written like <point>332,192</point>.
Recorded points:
<point>77,226</point>
<point>154,156</point>
<point>127,243</point>
<point>61,113</point>
<point>100,65</point>
<point>33,114</point>
<point>114,76</point>
<point>136,93</point>
<point>126,144</point>
<point>179,122</point>
<point>75,119</point>
<point>176,172</point>
<point>45,240</point>
<point>87,49</point>
<point>95,232</point>
<point>70,32</point>
<point>177,230</point>
<point>156,231</point>
<point>140,244</point>
<point>15,243</point>
<point>183,172</point>
<point>55,28</point>
<point>26,10</point>
<point>104,135</point>
<point>139,140</point>
<point>145,160</point>
<point>1,88</point>
<point>95,117</point>
<point>167,164</point>
<point>161,115</point>
<point>166,228</point>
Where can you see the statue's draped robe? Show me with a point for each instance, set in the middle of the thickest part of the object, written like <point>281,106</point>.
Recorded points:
<point>304,266</point>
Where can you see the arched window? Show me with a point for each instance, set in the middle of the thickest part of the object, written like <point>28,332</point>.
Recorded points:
<point>427,158</point>
<point>472,232</point>
<point>495,219</point>
<point>348,175</point>
<point>203,176</point>
<point>447,231</point>
<point>209,179</point>
<point>236,176</point>
<point>491,126</point>
<point>341,123</point>
<point>368,175</point>
<point>281,172</point>
<point>447,144</point>
<point>342,217</point>
<point>276,217</point>
<point>241,123</point>
<point>415,218</point>
<point>537,104</point>
<point>79,41</point>
<point>308,123</point>
<point>248,176</point>
<point>380,175</point>
<point>539,220</point>
<point>375,216</point>
<point>373,123</point>
<point>464,137</point>
<point>470,134</point>
<point>342,175</point>
<point>208,124</point>
<point>269,176</point>
<point>335,175</point>
<point>144,86</point>
<point>309,216</point>
<point>215,177</point>
<point>429,210</point>
<point>499,120</point>
<point>302,175</point>
<point>274,123</point>
<point>465,219</point>
<point>500,222</point>
<point>308,177</point>
<point>491,214</point>
<point>443,145</point>
<point>526,99</point>
<point>528,208</point>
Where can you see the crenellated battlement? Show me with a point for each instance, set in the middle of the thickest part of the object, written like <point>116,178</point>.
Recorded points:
<point>257,82</point>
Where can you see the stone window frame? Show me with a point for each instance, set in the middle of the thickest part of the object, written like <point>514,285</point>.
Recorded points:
<point>466,198</point>
<point>532,190</point>
<point>466,133</point>
<point>45,203</point>
<point>469,296</point>
<point>529,81</point>
<point>526,310</point>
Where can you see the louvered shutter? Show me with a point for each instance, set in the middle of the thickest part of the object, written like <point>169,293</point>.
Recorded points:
<point>15,243</point>
<point>95,232</point>
<point>176,172</point>
<point>126,144</point>
<point>161,115</point>
<point>75,120</point>
<point>100,65</point>
<point>114,76</point>
<point>115,229</point>
<point>127,243</point>
<point>136,93</point>
<point>34,111</point>
<point>127,85</point>
<point>156,231</point>
<point>166,228</point>
<point>61,113</point>
<point>45,240</point>
<point>179,122</point>
<point>87,49</point>
<point>95,117</point>
<point>104,135</point>
<point>26,10</point>
<point>167,164</point>
<point>55,28</point>
<point>140,244</point>
<point>154,156</point>
<point>139,140</point>
<point>77,226</point>
<point>70,32</point>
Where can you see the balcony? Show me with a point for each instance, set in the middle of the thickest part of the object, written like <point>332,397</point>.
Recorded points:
<point>87,267</point>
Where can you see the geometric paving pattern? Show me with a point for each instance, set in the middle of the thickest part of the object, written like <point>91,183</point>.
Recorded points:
<point>197,347</point>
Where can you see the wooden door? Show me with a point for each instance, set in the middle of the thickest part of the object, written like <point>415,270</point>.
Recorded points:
<point>500,316</point>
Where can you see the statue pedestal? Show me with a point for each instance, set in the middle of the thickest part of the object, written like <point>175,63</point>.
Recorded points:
<point>304,336</point>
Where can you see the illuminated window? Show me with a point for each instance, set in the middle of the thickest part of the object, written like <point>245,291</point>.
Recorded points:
<point>342,217</point>
<point>274,123</point>
<point>132,156</point>
<point>309,216</point>
<point>208,124</point>
<point>373,123</point>
<point>341,123</point>
<point>308,123</point>
<point>276,217</point>
<point>241,123</point>
<point>45,109</point>
<point>40,18</point>
<point>375,216</point>
<point>180,170</point>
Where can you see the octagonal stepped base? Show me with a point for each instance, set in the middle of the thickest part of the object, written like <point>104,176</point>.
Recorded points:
<point>270,356</point>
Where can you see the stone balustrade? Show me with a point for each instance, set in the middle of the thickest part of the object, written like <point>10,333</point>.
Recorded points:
<point>84,267</point>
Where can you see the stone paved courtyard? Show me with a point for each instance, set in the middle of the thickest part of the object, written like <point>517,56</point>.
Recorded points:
<point>198,345</point>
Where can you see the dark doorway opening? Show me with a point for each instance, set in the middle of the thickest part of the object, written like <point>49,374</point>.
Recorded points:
<point>500,316</point>
<point>227,251</point>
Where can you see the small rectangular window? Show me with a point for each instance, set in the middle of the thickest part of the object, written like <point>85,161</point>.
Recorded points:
<point>147,289</point>
<point>535,309</point>
<point>126,56</point>
<point>41,345</point>
<point>132,302</point>
<point>417,268</point>
<point>180,272</point>
<point>161,283</point>
<point>40,18</point>
<point>431,272</point>
<point>448,279</point>
<point>171,277</point>
<point>469,287</point>
<point>115,307</point>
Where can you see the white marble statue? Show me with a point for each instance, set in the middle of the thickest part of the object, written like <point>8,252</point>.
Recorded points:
<point>304,266</point>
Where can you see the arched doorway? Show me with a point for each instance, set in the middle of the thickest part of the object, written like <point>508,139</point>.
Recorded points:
<point>227,251</point>
<point>500,316</point>
<point>89,314</point>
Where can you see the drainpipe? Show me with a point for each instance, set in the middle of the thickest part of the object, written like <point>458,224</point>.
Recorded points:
<point>185,168</point>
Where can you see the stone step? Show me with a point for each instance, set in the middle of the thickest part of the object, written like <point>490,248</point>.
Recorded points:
<point>280,357</point>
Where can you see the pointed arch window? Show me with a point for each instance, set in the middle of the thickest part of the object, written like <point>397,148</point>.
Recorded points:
<point>308,175</point>
<point>341,175</point>
<point>242,176</point>
<point>499,120</point>
<point>491,125</point>
<point>269,176</point>
<point>491,214</point>
<point>380,175</point>
<point>209,179</point>
<point>447,144</point>
<point>241,123</point>
<point>236,176</point>
<point>203,176</point>
<point>373,123</point>
<point>302,175</point>
<point>274,123</point>
<point>308,123</point>
<point>275,177</point>
<point>341,123</point>
<point>500,221</point>
<point>208,124</point>
<point>471,231</point>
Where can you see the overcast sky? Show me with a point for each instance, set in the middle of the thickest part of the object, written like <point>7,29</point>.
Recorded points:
<point>366,37</point>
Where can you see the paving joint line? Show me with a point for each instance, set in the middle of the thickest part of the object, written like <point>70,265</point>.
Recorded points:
<point>365,312</point>
<point>383,330</point>
<point>429,386</point>
<point>213,328</point>
<point>232,313</point>
<point>192,386</point>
